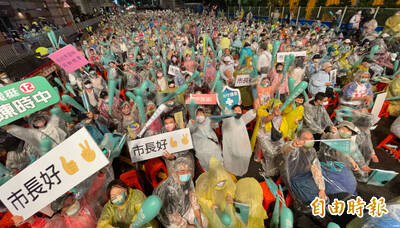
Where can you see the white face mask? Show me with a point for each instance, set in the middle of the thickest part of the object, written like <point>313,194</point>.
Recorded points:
<point>170,127</point>
<point>201,119</point>
<point>325,103</point>
<point>73,209</point>
<point>88,86</point>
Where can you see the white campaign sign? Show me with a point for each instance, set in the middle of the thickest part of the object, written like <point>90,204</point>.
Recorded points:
<point>242,80</point>
<point>379,100</point>
<point>154,146</point>
<point>332,76</point>
<point>280,56</point>
<point>173,70</point>
<point>52,175</point>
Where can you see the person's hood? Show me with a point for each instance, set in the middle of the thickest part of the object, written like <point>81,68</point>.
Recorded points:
<point>36,115</point>
<point>217,174</point>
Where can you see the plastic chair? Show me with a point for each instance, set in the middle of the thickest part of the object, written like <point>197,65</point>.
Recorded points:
<point>152,168</point>
<point>384,110</point>
<point>132,179</point>
<point>267,195</point>
<point>391,139</point>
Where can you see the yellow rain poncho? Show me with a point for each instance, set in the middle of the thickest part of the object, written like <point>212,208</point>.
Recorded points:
<point>263,112</point>
<point>392,24</point>
<point>292,117</point>
<point>123,216</point>
<point>249,191</point>
<point>393,90</point>
<point>213,188</point>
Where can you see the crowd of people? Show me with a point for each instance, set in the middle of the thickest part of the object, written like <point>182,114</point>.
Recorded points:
<point>143,60</point>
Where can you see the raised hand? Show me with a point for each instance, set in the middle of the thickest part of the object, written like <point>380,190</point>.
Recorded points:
<point>87,153</point>
<point>70,167</point>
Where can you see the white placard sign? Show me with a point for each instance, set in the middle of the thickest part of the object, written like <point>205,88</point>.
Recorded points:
<point>154,146</point>
<point>280,56</point>
<point>52,175</point>
<point>173,70</point>
<point>242,80</point>
<point>379,100</point>
<point>332,75</point>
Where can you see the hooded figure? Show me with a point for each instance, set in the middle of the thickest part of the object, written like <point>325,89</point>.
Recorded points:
<point>179,201</point>
<point>363,121</point>
<point>215,190</point>
<point>123,206</point>
<point>357,94</point>
<point>236,144</point>
<point>205,141</point>
<point>264,137</point>
<point>249,191</point>
<point>127,117</point>
<point>336,164</point>
<point>301,169</point>
<point>42,126</point>
<point>74,213</point>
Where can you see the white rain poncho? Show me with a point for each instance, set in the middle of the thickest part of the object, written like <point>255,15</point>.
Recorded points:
<point>205,142</point>
<point>236,143</point>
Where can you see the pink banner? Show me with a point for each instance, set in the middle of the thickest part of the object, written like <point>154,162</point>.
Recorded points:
<point>69,58</point>
<point>203,99</point>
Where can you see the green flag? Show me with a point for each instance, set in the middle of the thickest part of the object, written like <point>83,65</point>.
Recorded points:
<point>342,145</point>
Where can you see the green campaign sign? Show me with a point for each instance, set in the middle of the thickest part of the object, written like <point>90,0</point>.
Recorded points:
<point>25,97</point>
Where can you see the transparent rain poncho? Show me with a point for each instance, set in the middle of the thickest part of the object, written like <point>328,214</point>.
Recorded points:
<point>123,216</point>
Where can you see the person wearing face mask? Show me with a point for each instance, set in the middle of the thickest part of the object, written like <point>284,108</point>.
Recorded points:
<point>90,94</point>
<point>112,72</point>
<point>264,59</point>
<point>189,63</point>
<point>205,141</point>
<point>161,81</point>
<point>236,144</point>
<point>225,42</point>
<point>294,115</point>
<point>123,206</point>
<point>170,159</point>
<point>301,170</point>
<point>268,134</point>
<point>316,118</point>
<point>104,108</point>
<point>276,76</point>
<point>357,94</point>
<point>127,118</point>
<point>265,91</point>
<point>320,81</point>
<point>363,139</point>
<point>313,66</point>
<point>227,68</point>
<point>99,84</point>
<point>338,163</point>
<point>72,212</point>
<point>41,125</point>
<point>180,207</point>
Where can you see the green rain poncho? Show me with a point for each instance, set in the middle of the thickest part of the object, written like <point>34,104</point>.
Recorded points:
<point>123,216</point>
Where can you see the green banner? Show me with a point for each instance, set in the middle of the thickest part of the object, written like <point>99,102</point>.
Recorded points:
<point>25,97</point>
